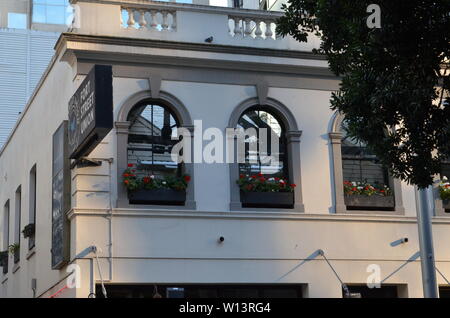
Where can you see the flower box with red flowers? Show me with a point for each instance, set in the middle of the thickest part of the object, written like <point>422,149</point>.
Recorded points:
<point>364,196</point>
<point>167,190</point>
<point>258,191</point>
<point>444,192</point>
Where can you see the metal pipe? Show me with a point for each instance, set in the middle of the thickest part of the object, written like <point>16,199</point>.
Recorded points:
<point>426,243</point>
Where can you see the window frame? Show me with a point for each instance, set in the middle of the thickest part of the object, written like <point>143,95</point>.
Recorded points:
<point>122,127</point>
<point>335,137</point>
<point>292,135</point>
<point>46,5</point>
<point>438,205</point>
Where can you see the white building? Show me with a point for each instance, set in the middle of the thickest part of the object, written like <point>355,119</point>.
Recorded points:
<point>192,62</point>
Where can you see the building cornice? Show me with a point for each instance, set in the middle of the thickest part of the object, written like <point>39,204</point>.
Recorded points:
<point>188,46</point>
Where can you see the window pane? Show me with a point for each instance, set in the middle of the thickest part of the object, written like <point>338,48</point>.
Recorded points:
<point>56,14</point>
<point>359,164</point>
<point>150,140</point>
<point>17,20</point>
<point>39,1</point>
<point>39,14</point>
<point>269,141</point>
<point>56,2</point>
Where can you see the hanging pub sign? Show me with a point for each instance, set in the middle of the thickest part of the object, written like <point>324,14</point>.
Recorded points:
<point>91,112</point>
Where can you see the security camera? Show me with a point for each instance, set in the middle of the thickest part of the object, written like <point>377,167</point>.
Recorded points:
<point>404,240</point>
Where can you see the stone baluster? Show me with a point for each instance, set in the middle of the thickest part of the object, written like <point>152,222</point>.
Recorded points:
<point>164,23</point>
<point>248,27</point>
<point>142,21</point>
<point>258,31</point>
<point>131,22</point>
<point>237,26</point>
<point>154,23</point>
<point>268,32</point>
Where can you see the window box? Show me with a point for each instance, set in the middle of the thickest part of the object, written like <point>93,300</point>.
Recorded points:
<point>4,261</point>
<point>372,202</point>
<point>446,205</point>
<point>283,200</point>
<point>157,196</point>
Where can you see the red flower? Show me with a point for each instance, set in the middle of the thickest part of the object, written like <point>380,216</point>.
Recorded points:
<point>130,165</point>
<point>126,181</point>
<point>249,187</point>
<point>126,175</point>
<point>241,176</point>
<point>293,185</point>
<point>253,177</point>
<point>146,180</point>
<point>354,189</point>
<point>260,174</point>
<point>262,179</point>
<point>277,179</point>
<point>187,178</point>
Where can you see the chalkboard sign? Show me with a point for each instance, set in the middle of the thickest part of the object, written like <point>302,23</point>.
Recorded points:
<point>91,112</point>
<point>60,198</point>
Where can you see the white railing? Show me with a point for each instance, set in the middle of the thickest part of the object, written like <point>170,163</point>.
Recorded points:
<point>246,27</point>
<point>162,16</point>
<point>150,19</point>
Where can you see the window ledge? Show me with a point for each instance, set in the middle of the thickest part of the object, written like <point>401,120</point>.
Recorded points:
<point>16,267</point>
<point>31,252</point>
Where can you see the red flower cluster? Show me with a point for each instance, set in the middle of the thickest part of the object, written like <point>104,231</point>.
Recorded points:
<point>261,183</point>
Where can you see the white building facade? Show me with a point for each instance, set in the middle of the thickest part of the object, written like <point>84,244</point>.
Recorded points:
<point>213,64</point>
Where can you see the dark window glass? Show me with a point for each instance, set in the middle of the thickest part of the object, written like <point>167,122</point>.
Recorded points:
<point>359,164</point>
<point>255,163</point>
<point>150,140</point>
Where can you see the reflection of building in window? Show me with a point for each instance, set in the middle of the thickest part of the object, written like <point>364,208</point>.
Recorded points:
<point>51,11</point>
<point>254,154</point>
<point>150,140</point>
<point>17,20</point>
<point>359,164</point>
<point>445,168</point>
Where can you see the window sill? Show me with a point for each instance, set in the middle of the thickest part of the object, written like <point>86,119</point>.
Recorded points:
<point>397,212</point>
<point>31,252</point>
<point>15,268</point>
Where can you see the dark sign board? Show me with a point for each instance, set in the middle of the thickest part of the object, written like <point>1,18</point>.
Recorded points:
<point>91,112</point>
<point>60,198</point>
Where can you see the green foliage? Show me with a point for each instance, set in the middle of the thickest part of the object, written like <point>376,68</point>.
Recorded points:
<point>393,94</point>
<point>259,183</point>
<point>13,248</point>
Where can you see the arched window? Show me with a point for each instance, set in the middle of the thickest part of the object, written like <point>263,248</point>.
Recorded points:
<point>148,174</point>
<point>150,140</point>
<point>361,182</point>
<point>266,170</point>
<point>255,163</point>
<point>359,164</point>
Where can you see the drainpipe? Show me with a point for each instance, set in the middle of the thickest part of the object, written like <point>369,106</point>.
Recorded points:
<point>424,215</point>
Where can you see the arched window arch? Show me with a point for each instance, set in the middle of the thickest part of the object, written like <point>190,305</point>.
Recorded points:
<point>361,183</point>
<point>270,132</point>
<point>145,127</point>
